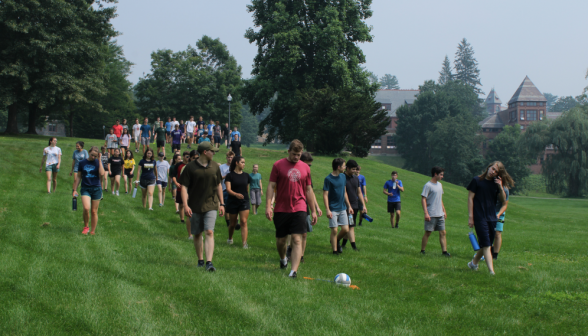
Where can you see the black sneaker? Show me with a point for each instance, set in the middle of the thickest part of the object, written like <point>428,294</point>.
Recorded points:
<point>210,267</point>
<point>336,252</point>
<point>356,249</point>
<point>200,263</point>
<point>446,254</point>
<point>339,249</point>
<point>293,275</point>
<point>288,252</point>
<point>282,266</point>
<point>396,226</point>
<point>422,252</point>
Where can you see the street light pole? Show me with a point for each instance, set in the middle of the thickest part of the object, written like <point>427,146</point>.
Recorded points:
<point>104,131</point>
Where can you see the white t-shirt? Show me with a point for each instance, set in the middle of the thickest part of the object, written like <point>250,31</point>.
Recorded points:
<point>136,130</point>
<point>224,170</point>
<point>53,154</point>
<point>162,170</point>
<point>190,126</point>
<point>173,124</point>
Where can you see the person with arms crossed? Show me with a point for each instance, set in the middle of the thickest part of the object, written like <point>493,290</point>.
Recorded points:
<point>484,192</point>
<point>145,134</point>
<point>190,127</point>
<point>434,209</point>
<point>355,199</point>
<point>128,170</point>
<point>256,188</point>
<point>162,171</point>
<point>201,193</point>
<point>392,189</point>
<point>137,134</point>
<point>147,180</point>
<point>160,138</point>
<point>336,203</point>
<point>290,177</point>
<point>52,160</point>
<point>89,172</point>
<point>78,155</point>
<point>115,164</point>
<point>237,183</point>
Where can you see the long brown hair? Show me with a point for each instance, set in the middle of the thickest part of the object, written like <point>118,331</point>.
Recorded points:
<point>507,181</point>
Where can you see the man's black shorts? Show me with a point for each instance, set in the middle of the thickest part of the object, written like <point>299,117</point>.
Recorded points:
<point>393,207</point>
<point>290,223</point>
<point>176,146</point>
<point>160,143</point>
<point>354,216</point>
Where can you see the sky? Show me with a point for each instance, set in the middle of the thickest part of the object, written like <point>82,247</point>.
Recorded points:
<point>544,40</point>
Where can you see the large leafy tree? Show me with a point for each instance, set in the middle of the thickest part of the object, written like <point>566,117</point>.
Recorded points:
<point>304,45</point>
<point>248,127</point>
<point>551,99</point>
<point>446,73</point>
<point>389,82</point>
<point>51,52</point>
<point>466,66</point>
<point>566,170</point>
<point>563,104</point>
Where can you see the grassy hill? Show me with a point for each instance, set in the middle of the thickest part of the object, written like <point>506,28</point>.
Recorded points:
<point>138,274</point>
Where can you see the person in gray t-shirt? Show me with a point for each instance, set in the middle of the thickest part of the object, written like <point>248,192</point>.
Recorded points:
<point>432,202</point>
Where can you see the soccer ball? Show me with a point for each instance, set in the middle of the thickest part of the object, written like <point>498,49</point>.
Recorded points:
<point>343,279</point>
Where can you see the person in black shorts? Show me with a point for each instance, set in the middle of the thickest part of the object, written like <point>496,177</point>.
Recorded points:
<point>392,189</point>
<point>236,147</point>
<point>160,138</point>
<point>115,164</point>
<point>353,192</point>
<point>237,183</point>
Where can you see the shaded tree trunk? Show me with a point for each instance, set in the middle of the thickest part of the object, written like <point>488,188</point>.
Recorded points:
<point>33,112</point>
<point>12,122</point>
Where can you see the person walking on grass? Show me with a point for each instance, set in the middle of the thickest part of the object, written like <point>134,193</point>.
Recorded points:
<point>190,128</point>
<point>225,168</point>
<point>236,141</point>
<point>204,138</point>
<point>162,171</point>
<point>217,134</point>
<point>392,189</point>
<point>336,204</point>
<point>290,177</point>
<point>306,157</point>
<point>256,188</point>
<point>158,122</point>
<point>363,187</point>
<point>225,134</point>
<point>201,193</point>
<point>145,135</point>
<point>179,200</point>
<point>78,155</point>
<point>147,180</point>
<point>104,157</point>
<point>125,141</point>
<point>501,207</point>
<point>125,126</point>
<point>168,128</point>
<point>484,192</point>
<point>115,164</point>
<point>128,170</point>
<point>52,160</point>
<point>160,138</point>
<point>89,172</point>
<point>183,130</point>
<point>137,134</point>
<point>111,142</point>
<point>177,137</point>
<point>237,183</point>
<point>355,199</point>
<point>434,209</point>
<point>172,179</point>
<point>118,129</point>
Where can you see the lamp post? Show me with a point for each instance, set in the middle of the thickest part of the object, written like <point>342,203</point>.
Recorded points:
<point>104,131</point>
<point>229,99</point>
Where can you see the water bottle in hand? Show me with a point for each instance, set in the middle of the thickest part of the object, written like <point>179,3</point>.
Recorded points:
<point>135,190</point>
<point>367,218</point>
<point>350,219</point>
<point>74,203</point>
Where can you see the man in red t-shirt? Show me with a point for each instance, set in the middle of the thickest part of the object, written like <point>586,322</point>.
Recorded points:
<point>290,178</point>
<point>118,129</point>
<point>179,168</point>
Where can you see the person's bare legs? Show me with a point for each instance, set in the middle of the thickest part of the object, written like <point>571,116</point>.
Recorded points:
<point>296,242</point>
<point>161,195</point>
<point>334,239</point>
<point>95,205</point>
<point>497,242</point>
<point>304,243</point>
<point>49,180</point>
<point>126,182</point>
<point>198,245</point>
<point>443,240</point>
<point>144,196</point>
<point>105,181</point>
<point>54,177</point>
<point>209,244</point>
<point>87,204</point>
<point>397,217</point>
<point>244,216</point>
<point>232,224</point>
<point>487,253</point>
<point>425,240</point>
<point>351,235</point>
<point>281,246</point>
<point>150,190</point>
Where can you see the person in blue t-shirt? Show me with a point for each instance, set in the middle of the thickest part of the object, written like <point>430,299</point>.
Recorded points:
<point>145,134</point>
<point>235,135</point>
<point>392,188</point>
<point>362,186</point>
<point>89,173</point>
<point>336,203</point>
<point>168,129</point>
<point>78,156</point>
<point>204,138</point>
<point>210,128</point>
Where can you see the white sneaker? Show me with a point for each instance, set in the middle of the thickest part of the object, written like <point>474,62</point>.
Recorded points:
<point>472,266</point>
<point>113,192</point>
<point>151,209</point>
<point>246,246</point>
<point>230,241</point>
<point>117,193</point>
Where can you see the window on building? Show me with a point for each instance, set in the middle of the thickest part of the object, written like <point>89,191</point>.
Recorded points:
<point>513,115</point>
<point>390,142</point>
<point>540,103</point>
<point>531,115</point>
<point>377,144</point>
<point>540,115</point>
<point>522,115</point>
<point>531,103</point>
<point>521,103</point>
<point>52,128</point>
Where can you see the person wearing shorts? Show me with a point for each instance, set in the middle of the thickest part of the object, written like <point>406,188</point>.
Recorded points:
<point>255,189</point>
<point>78,155</point>
<point>190,128</point>
<point>225,168</point>
<point>147,181</point>
<point>179,168</point>
<point>176,136</point>
<point>89,172</point>
<point>306,157</point>
<point>104,157</point>
<point>137,134</point>
<point>336,204</point>
<point>128,170</point>
<point>484,192</point>
<point>52,160</point>
<point>501,207</point>
<point>160,139</point>
<point>392,189</point>
<point>111,142</point>
<point>201,195</point>
<point>353,191</point>
<point>162,171</point>
<point>145,134</point>
<point>435,215</point>
<point>115,166</point>
<point>290,178</point>
<point>217,134</point>
<point>237,183</point>
<point>125,141</point>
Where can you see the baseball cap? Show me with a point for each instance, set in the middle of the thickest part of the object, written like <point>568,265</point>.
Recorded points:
<point>161,154</point>
<point>206,146</point>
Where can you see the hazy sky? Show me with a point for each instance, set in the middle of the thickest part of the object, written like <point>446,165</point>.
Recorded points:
<point>544,40</point>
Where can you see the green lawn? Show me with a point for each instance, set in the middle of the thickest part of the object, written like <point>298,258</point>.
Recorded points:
<point>138,274</point>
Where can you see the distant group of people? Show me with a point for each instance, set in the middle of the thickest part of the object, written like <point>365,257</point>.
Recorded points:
<point>203,189</point>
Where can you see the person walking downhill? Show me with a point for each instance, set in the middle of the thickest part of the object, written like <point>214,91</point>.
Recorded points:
<point>158,122</point>
<point>172,179</point>
<point>52,160</point>
<point>129,169</point>
<point>168,128</point>
<point>125,126</point>
<point>336,204</point>
<point>111,142</point>
<point>501,207</point>
<point>115,164</point>
<point>147,180</point>
<point>78,155</point>
<point>183,130</point>
<point>162,171</point>
<point>104,157</point>
<point>355,199</point>
<point>179,168</point>
<point>217,134</point>
<point>145,134</point>
<point>137,134</point>
<point>256,188</point>
<point>225,168</point>
<point>89,172</point>
<point>190,129</point>
<point>236,142</point>
<point>177,137</point>
<point>363,187</point>
<point>201,196</point>
<point>237,183</point>
<point>306,157</point>
<point>392,189</point>
<point>160,138</point>
<point>484,192</point>
<point>434,209</point>
<point>118,129</point>
<point>125,142</point>
<point>291,180</point>
<point>225,134</point>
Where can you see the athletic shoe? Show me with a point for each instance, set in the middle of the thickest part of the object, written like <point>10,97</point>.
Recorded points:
<point>492,273</point>
<point>86,230</point>
<point>48,193</point>
<point>446,254</point>
<point>293,275</point>
<point>282,266</point>
<point>160,204</point>
<point>356,249</point>
<point>339,249</point>
<point>396,226</point>
<point>472,266</point>
<point>336,252</point>
<point>151,209</point>
<point>230,241</point>
<point>210,267</point>
<point>288,252</point>
<point>200,263</point>
<point>101,198</point>
<point>422,252</point>
<point>177,211</point>
<point>126,192</point>
<point>113,192</point>
<point>246,247</point>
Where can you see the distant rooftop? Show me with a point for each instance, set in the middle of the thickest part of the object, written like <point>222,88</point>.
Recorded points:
<point>527,91</point>
<point>493,98</point>
<point>492,121</point>
<point>396,98</point>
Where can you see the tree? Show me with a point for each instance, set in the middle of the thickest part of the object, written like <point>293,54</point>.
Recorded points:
<point>389,82</point>
<point>446,74</point>
<point>466,66</point>
<point>248,127</point>
<point>564,104</point>
<point>372,77</point>
<point>50,52</point>
<point>508,148</point>
<point>304,45</point>
<point>566,170</point>
<point>551,99</point>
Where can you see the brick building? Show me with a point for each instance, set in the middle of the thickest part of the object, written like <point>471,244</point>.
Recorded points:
<point>391,100</point>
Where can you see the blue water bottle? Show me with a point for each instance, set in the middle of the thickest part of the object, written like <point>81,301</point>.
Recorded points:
<point>367,218</point>
<point>473,240</point>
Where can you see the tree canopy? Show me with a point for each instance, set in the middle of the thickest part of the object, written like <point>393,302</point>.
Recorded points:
<point>389,82</point>
<point>446,73</point>
<point>466,66</point>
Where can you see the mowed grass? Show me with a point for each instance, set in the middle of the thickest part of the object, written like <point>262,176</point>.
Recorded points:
<point>138,274</point>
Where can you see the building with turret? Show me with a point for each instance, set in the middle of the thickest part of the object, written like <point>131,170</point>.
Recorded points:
<point>493,103</point>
